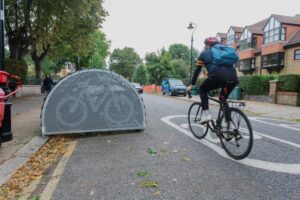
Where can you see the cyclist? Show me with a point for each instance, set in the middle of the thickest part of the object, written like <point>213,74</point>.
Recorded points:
<point>219,76</point>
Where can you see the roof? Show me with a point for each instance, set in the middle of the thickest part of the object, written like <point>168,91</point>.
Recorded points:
<point>237,29</point>
<point>294,41</point>
<point>295,20</point>
<point>222,35</point>
<point>257,28</point>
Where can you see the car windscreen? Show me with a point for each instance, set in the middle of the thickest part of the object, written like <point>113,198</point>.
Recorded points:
<point>176,82</point>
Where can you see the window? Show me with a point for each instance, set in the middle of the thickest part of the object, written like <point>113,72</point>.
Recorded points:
<point>245,42</point>
<point>230,36</point>
<point>274,31</point>
<point>273,60</point>
<point>297,54</point>
<point>247,64</point>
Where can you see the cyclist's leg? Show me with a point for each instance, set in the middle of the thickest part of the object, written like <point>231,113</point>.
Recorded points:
<point>210,83</point>
<point>227,88</point>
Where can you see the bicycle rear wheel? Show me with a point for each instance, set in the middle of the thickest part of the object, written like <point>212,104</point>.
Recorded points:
<point>237,136</point>
<point>194,117</point>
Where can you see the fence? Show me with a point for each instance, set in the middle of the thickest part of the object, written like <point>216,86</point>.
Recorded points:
<point>152,88</point>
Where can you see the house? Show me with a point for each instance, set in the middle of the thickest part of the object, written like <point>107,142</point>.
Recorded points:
<point>250,44</point>
<point>270,46</point>
<point>222,37</point>
<point>233,36</point>
<point>280,33</point>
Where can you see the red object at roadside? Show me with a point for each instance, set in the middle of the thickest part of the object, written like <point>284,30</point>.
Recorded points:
<point>6,80</point>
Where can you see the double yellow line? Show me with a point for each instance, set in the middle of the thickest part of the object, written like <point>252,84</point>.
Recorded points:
<point>55,178</point>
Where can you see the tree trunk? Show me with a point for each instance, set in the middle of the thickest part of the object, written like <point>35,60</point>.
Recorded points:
<point>38,69</point>
<point>77,63</point>
<point>37,59</point>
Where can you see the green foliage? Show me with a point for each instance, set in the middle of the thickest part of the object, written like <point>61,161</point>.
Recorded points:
<point>140,75</point>
<point>255,85</point>
<point>180,51</point>
<point>124,61</point>
<point>16,67</point>
<point>289,83</point>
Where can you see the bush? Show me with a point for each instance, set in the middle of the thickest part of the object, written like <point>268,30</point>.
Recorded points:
<point>16,67</point>
<point>255,85</point>
<point>289,83</point>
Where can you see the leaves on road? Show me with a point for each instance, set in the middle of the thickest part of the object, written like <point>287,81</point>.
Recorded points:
<point>34,168</point>
<point>152,151</point>
<point>144,174</point>
<point>149,184</point>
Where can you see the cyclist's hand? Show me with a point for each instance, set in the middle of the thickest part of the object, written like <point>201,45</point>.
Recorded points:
<point>189,88</point>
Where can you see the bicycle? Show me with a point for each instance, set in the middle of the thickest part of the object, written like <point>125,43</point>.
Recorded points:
<point>233,134</point>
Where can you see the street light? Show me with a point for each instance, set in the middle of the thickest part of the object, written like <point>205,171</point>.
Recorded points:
<point>192,26</point>
<point>1,34</point>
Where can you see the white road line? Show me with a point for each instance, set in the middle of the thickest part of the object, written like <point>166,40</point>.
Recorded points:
<point>289,125</point>
<point>266,165</point>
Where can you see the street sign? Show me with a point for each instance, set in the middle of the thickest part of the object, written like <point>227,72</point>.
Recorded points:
<point>92,101</point>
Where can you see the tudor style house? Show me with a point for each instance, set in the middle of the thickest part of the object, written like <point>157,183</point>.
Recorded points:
<point>269,46</point>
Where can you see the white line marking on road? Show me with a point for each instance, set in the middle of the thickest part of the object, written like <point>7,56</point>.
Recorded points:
<point>266,165</point>
<point>288,125</point>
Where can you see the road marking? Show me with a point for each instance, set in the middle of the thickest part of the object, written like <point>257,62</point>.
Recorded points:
<point>288,125</point>
<point>55,178</point>
<point>266,165</point>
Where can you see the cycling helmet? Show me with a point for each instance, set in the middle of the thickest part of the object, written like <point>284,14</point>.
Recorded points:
<point>211,41</point>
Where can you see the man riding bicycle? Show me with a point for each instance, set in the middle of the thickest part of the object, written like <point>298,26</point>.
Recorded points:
<point>219,76</point>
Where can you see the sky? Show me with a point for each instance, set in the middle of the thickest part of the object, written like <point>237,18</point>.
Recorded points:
<point>149,25</point>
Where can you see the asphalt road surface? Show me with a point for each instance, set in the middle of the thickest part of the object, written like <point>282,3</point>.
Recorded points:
<point>124,166</point>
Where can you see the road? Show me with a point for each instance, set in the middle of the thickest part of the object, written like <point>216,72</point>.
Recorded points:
<point>117,165</point>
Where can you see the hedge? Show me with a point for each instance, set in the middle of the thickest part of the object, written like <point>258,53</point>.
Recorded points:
<point>255,85</point>
<point>289,83</point>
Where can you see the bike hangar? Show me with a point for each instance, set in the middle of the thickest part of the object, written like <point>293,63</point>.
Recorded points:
<point>92,100</point>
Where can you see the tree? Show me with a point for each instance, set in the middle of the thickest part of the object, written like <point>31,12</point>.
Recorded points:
<point>124,61</point>
<point>159,66</point>
<point>180,51</point>
<point>140,75</point>
<point>38,25</point>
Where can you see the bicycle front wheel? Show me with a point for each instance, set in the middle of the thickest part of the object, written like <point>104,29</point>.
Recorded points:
<point>194,117</point>
<point>237,136</point>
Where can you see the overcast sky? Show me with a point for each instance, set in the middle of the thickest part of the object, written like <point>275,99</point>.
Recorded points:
<point>149,25</point>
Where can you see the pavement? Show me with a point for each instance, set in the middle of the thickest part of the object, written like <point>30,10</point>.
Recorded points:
<point>26,135</point>
<point>263,109</point>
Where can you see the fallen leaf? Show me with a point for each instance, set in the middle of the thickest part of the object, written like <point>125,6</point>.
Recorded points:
<point>175,151</point>
<point>144,174</point>
<point>157,194</point>
<point>151,151</point>
<point>92,193</point>
<point>185,158</point>
<point>148,184</point>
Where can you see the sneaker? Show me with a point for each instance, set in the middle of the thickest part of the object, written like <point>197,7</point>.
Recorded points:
<point>206,117</point>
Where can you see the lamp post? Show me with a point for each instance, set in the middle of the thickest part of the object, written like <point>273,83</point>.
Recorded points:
<point>1,34</point>
<point>192,27</point>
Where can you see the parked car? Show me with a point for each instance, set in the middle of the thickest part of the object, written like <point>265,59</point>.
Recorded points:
<point>173,87</point>
<point>138,87</point>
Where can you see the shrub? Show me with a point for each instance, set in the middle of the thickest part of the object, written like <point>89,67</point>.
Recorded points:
<point>289,83</point>
<point>16,67</point>
<point>255,85</point>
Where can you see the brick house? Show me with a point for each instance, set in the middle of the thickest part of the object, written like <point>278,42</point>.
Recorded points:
<point>222,37</point>
<point>233,36</point>
<point>270,46</point>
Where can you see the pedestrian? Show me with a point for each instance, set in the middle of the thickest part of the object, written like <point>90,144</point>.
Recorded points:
<point>48,83</point>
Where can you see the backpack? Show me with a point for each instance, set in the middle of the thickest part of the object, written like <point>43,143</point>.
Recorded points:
<point>224,55</point>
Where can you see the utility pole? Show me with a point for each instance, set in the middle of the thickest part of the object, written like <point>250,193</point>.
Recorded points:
<point>2,35</point>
